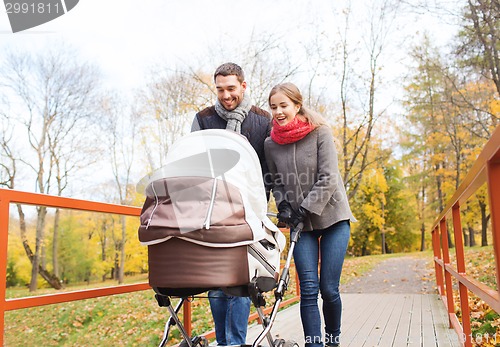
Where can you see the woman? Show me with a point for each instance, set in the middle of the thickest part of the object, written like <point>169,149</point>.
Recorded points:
<point>308,188</point>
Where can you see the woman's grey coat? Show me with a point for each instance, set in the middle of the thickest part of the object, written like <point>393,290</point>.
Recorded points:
<point>306,173</point>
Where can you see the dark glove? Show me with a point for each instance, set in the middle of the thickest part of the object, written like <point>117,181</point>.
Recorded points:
<point>285,212</point>
<point>287,215</point>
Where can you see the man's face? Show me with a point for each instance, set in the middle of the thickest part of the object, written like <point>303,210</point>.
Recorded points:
<point>229,91</point>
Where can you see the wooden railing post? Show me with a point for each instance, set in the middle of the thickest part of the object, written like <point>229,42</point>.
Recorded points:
<point>464,296</point>
<point>4,240</point>
<point>446,262</point>
<point>436,247</point>
<point>187,317</point>
<point>493,179</point>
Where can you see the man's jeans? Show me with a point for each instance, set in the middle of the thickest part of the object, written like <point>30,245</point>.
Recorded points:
<point>230,315</point>
<point>331,244</point>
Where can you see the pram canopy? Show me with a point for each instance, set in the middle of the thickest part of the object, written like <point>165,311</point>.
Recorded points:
<point>205,215</point>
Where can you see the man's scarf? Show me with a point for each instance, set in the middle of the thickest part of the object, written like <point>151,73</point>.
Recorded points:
<point>235,117</point>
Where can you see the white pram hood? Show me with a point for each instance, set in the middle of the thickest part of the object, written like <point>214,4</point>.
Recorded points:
<point>226,157</point>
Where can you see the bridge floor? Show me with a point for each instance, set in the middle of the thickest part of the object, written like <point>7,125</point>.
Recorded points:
<point>383,320</point>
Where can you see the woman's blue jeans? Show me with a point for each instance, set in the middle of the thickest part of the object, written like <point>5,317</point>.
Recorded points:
<point>330,244</point>
<point>230,315</point>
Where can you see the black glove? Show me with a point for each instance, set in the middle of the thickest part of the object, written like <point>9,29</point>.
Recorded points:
<point>287,215</point>
<point>285,212</point>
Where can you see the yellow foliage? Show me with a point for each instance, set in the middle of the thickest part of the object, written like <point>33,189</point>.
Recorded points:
<point>494,107</point>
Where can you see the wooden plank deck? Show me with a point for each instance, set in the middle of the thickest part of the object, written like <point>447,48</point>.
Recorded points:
<point>381,320</point>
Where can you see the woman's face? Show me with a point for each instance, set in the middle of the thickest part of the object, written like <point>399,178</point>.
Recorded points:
<point>282,108</point>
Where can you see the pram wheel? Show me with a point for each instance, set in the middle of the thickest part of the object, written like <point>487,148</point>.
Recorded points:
<point>198,341</point>
<point>284,343</point>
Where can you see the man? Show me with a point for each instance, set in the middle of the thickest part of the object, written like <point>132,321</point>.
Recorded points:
<point>233,111</point>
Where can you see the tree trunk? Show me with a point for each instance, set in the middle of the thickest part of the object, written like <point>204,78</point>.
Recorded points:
<point>387,249</point>
<point>103,246</point>
<point>422,214</point>
<point>384,250</point>
<point>422,237</point>
<point>363,250</point>
<point>472,238</point>
<point>484,224</point>
<point>37,256</point>
<point>465,237</point>
<point>121,269</point>
<point>53,280</point>
<point>55,244</point>
<point>117,263</point>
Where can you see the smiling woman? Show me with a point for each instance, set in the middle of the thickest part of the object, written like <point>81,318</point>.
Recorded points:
<point>308,190</point>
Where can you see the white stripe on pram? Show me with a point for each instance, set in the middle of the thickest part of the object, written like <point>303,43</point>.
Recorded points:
<point>206,223</point>
<point>202,243</point>
<point>154,208</point>
<point>261,259</point>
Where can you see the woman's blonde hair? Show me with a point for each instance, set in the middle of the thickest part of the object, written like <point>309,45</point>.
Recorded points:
<point>291,91</point>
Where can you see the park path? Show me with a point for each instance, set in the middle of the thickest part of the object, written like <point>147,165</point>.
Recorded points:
<point>407,274</point>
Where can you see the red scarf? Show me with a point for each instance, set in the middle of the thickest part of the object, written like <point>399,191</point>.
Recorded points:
<point>291,132</point>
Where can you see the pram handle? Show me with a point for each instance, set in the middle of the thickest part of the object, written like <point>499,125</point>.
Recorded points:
<point>282,284</point>
<point>285,273</point>
<point>296,232</point>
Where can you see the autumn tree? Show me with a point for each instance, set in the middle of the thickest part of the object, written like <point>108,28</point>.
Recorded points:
<point>166,107</point>
<point>9,160</point>
<point>369,211</point>
<point>52,96</point>
<point>448,123</point>
<point>429,144</point>
<point>400,211</point>
<point>360,85</point>
<point>120,126</point>
<point>480,39</point>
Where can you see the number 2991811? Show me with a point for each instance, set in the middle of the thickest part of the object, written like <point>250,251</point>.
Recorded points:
<point>34,8</point>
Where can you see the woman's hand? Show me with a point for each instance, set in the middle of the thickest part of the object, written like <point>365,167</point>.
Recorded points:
<point>287,215</point>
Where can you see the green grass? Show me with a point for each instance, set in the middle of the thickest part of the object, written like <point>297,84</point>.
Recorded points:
<point>126,320</point>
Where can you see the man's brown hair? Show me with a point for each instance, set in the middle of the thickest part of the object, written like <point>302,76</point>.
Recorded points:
<point>228,69</point>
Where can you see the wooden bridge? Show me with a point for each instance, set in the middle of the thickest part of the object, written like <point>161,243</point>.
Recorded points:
<point>396,303</point>
<point>378,319</point>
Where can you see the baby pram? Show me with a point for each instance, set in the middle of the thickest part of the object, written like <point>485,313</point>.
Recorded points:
<point>206,227</point>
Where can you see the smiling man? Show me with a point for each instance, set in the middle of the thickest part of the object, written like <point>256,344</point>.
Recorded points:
<point>233,111</point>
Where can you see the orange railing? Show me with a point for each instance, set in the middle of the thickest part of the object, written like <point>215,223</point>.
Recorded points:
<point>8,197</point>
<point>486,169</point>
